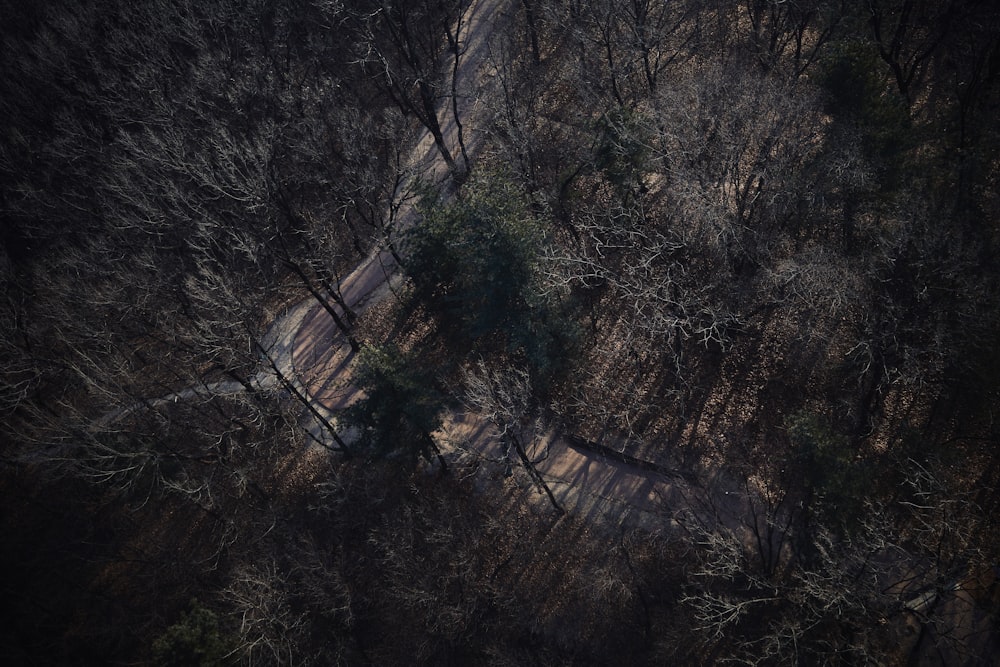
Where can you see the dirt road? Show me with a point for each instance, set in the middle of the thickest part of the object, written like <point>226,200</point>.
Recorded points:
<point>583,481</point>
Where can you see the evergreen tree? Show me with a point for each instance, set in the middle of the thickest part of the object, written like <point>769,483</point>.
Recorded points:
<point>474,267</point>
<point>193,640</point>
<point>401,408</point>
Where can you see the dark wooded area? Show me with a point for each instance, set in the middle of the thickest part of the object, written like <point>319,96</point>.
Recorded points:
<point>753,244</point>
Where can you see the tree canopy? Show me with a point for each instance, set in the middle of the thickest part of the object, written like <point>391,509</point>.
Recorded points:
<point>401,407</point>
<point>474,266</point>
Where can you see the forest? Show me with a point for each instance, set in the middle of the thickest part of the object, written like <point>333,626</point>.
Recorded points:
<point>306,304</point>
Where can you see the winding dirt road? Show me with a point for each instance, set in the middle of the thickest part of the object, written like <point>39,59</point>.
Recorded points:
<point>306,343</point>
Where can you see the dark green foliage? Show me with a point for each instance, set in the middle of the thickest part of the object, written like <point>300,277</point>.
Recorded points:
<point>836,481</point>
<point>401,407</point>
<point>193,640</point>
<point>474,266</point>
<point>472,261</point>
<point>624,148</point>
<point>859,94</point>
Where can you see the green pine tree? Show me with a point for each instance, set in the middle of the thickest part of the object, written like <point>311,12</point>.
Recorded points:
<point>194,640</point>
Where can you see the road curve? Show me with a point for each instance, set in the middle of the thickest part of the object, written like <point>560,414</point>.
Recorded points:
<point>583,480</point>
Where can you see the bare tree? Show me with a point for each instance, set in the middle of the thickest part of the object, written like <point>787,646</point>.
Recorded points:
<point>792,31</point>
<point>838,592</point>
<point>402,44</point>
<point>907,33</point>
<point>623,49</point>
<point>504,397</point>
